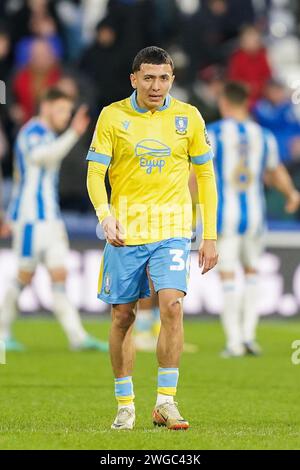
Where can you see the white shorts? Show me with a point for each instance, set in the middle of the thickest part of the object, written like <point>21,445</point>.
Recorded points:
<point>239,249</point>
<point>40,242</point>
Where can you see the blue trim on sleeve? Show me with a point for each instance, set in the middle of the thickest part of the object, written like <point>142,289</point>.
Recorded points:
<point>99,158</point>
<point>201,159</point>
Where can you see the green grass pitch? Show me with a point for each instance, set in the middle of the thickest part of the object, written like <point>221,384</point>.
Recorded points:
<point>55,399</point>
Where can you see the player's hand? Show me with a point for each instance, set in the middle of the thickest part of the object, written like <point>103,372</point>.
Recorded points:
<point>292,202</point>
<point>81,120</point>
<point>208,256</point>
<point>113,231</point>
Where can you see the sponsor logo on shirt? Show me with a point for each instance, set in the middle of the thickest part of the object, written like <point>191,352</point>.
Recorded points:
<point>152,148</point>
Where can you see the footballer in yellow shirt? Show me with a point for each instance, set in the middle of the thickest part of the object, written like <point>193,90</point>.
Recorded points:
<point>148,142</point>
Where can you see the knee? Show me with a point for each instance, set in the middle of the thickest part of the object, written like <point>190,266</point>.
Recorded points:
<point>123,318</point>
<point>58,275</point>
<point>171,312</point>
<point>25,277</point>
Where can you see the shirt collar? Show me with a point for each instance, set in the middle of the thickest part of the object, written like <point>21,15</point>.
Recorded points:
<point>136,107</point>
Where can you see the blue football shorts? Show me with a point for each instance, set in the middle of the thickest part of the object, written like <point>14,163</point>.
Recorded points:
<point>123,273</point>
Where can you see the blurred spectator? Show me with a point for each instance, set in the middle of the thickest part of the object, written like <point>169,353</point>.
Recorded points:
<point>168,22</point>
<point>277,113</point>
<point>136,26</point>
<point>5,54</point>
<point>102,63</point>
<point>93,12</point>
<point>70,14</point>
<point>249,64</point>
<point>32,81</point>
<point>207,91</point>
<point>5,74</point>
<point>37,19</point>
<point>206,33</point>
<point>33,13</point>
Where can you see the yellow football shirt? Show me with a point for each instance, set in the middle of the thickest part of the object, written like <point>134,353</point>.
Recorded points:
<point>149,156</point>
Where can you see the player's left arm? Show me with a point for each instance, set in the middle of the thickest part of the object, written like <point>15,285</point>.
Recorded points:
<point>201,156</point>
<point>278,176</point>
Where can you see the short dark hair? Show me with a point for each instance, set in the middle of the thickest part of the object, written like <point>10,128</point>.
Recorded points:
<point>151,55</point>
<point>236,92</point>
<point>54,94</point>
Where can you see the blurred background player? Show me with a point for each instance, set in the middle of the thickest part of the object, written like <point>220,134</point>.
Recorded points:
<point>244,153</point>
<point>39,234</point>
<point>147,324</point>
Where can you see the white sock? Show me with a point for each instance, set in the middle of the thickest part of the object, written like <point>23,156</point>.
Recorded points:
<point>10,309</point>
<point>67,316</point>
<point>131,406</point>
<point>250,315</point>
<point>230,315</point>
<point>163,399</point>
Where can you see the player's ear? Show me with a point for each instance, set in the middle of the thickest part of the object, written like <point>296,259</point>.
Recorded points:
<point>133,80</point>
<point>172,81</point>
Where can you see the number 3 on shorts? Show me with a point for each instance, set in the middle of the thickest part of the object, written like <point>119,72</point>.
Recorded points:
<point>177,258</point>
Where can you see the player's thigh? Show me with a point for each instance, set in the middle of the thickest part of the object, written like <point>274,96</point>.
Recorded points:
<point>25,245</point>
<point>55,249</point>
<point>169,265</point>
<point>251,250</point>
<point>123,275</point>
<point>229,253</point>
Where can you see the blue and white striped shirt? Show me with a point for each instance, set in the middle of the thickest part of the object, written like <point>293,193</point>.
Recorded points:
<point>243,151</point>
<point>35,193</point>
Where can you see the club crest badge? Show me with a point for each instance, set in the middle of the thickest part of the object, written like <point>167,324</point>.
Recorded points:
<point>181,123</point>
<point>107,284</point>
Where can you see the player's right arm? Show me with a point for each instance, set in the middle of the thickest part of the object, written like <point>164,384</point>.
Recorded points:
<point>48,154</point>
<point>99,158</point>
<point>278,176</point>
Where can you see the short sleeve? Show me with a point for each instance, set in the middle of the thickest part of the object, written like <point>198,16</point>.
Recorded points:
<point>199,147</point>
<point>272,152</point>
<point>101,148</point>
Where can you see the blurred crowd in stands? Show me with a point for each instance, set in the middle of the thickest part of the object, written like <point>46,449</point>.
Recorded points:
<point>86,47</point>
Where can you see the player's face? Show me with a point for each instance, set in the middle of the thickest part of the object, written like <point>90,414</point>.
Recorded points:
<point>224,106</point>
<point>59,113</point>
<point>152,82</point>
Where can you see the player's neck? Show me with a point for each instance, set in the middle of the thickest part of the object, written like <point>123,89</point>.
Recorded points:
<point>238,115</point>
